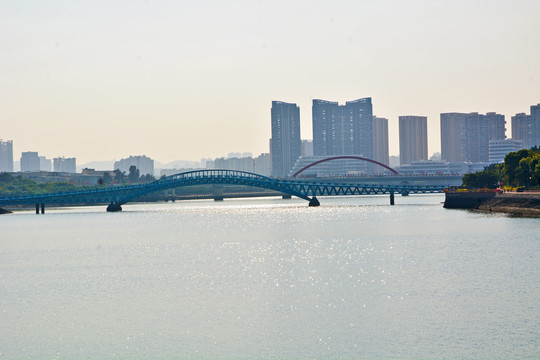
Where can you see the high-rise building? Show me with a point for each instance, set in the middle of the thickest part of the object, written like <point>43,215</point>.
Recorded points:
<point>263,164</point>
<point>527,127</point>
<point>307,148</point>
<point>65,165</point>
<point>45,164</point>
<point>412,139</point>
<point>144,164</point>
<point>465,137</point>
<point>6,156</point>
<point>30,161</point>
<point>343,129</point>
<point>285,144</point>
<point>380,140</point>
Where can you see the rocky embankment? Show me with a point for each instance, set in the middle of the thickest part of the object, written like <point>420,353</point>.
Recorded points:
<point>523,204</point>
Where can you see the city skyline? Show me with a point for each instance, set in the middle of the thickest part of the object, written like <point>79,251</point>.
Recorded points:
<point>479,129</point>
<point>103,80</point>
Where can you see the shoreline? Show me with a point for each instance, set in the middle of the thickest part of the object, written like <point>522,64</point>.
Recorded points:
<point>516,204</point>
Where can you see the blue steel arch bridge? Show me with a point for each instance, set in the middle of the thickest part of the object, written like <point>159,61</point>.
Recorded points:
<point>116,196</point>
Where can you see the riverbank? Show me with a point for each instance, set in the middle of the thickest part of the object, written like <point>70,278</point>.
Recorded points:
<point>521,204</point>
<point>513,203</point>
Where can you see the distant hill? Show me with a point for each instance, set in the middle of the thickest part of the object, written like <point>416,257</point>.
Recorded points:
<point>177,164</point>
<point>97,165</point>
<point>108,165</point>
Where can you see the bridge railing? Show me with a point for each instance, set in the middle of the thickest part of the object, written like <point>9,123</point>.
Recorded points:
<point>303,189</point>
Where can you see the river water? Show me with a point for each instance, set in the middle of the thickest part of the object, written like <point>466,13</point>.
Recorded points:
<point>269,278</point>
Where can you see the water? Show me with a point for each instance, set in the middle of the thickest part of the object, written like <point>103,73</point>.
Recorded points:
<point>270,279</point>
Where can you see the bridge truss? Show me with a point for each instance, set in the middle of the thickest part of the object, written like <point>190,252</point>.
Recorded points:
<point>303,189</point>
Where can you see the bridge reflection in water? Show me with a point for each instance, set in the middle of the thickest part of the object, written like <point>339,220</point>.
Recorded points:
<point>307,189</point>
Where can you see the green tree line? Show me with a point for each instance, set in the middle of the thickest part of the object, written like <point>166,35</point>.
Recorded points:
<point>18,186</point>
<point>520,168</point>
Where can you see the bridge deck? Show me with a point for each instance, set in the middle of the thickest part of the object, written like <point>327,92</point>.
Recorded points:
<point>303,189</point>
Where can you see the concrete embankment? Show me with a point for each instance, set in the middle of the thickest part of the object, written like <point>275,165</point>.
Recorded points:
<point>522,204</point>
<point>466,200</point>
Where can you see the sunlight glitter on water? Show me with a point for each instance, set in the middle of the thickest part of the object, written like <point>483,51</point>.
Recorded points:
<point>270,278</point>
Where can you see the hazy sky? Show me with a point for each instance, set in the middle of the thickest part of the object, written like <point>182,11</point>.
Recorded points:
<point>100,80</point>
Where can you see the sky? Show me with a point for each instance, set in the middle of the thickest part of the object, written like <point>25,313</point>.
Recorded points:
<point>185,80</point>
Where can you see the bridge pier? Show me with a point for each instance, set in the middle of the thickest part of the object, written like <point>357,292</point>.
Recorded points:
<point>286,196</point>
<point>314,201</point>
<point>114,207</point>
<point>391,199</point>
<point>42,208</point>
<point>218,193</point>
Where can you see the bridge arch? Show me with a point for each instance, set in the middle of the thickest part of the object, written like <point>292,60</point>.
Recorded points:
<point>217,176</point>
<point>345,157</point>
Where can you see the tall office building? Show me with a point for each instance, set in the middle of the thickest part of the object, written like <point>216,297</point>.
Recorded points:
<point>380,140</point>
<point>343,129</point>
<point>465,137</point>
<point>285,144</point>
<point>526,128</point>
<point>6,156</point>
<point>65,165</point>
<point>498,149</point>
<point>30,161</point>
<point>412,139</point>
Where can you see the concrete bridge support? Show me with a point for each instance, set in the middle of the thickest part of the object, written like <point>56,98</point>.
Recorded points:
<point>114,207</point>
<point>314,201</point>
<point>42,208</point>
<point>391,199</point>
<point>218,193</point>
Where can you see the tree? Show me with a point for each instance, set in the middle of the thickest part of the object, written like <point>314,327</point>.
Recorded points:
<point>119,175</point>
<point>133,174</point>
<point>147,178</point>
<point>488,178</point>
<point>107,179</point>
<point>513,175</point>
<point>535,169</point>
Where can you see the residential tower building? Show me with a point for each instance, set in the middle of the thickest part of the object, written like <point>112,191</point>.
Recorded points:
<point>412,139</point>
<point>30,161</point>
<point>6,156</point>
<point>527,127</point>
<point>343,129</point>
<point>285,144</point>
<point>380,140</point>
<point>65,165</point>
<point>465,137</point>
<point>144,164</point>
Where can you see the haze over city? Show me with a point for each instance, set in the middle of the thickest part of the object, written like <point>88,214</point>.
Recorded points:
<point>173,80</point>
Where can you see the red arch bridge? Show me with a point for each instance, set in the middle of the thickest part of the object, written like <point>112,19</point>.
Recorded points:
<point>116,196</point>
